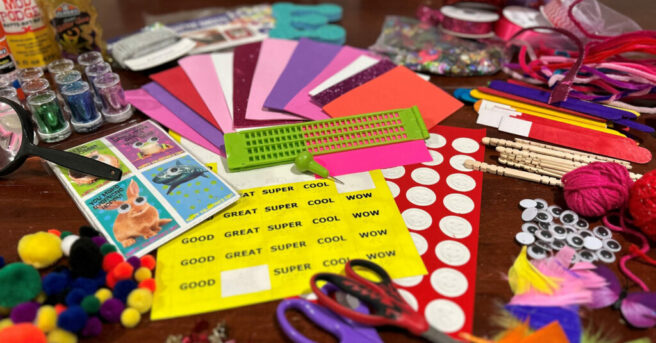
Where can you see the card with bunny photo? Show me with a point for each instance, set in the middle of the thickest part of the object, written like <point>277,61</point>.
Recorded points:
<point>144,144</point>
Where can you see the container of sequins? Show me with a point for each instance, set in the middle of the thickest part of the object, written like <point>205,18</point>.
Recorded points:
<point>27,74</point>
<point>67,77</point>
<point>61,65</point>
<point>35,86</point>
<point>84,116</point>
<point>94,71</point>
<point>88,58</point>
<point>51,125</point>
<point>115,108</point>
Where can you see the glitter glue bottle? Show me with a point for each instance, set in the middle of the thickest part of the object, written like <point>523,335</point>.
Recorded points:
<point>35,86</point>
<point>27,74</point>
<point>115,108</point>
<point>51,125</point>
<point>84,116</point>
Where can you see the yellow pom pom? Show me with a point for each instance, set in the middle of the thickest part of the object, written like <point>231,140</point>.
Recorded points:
<point>130,317</point>
<point>142,273</point>
<point>5,323</point>
<point>41,298</point>
<point>40,249</point>
<point>103,294</point>
<point>140,299</point>
<point>61,336</point>
<point>46,318</point>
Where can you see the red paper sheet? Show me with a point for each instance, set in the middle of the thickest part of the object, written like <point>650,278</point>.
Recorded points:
<point>398,88</point>
<point>176,82</point>
<point>426,195</point>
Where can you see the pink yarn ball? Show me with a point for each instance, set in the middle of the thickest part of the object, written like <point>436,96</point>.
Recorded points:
<point>597,188</point>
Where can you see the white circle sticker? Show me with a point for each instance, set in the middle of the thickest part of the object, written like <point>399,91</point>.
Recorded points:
<point>409,298</point>
<point>465,145</point>
<point>435,141</point>
<point>445,315</point>
<point>394,188</point>
<point>409,281</point>
<point>421,196</point>
<point>425,176</point>
<point>455,227</point>
<point>437,158</point>
<point>393,173</point>
<point>417,219</point>
<point>458,203</point>
<point>458,162</point>
<point>449,282</point>
<point>452,253</point>
<point>461,182</point>
<point>420,242</point>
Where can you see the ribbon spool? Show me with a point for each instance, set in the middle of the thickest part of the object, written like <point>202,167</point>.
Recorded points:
<point>468,22</point>
<point>516,18</point>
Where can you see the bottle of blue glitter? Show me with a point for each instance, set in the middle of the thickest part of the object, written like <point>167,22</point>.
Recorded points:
<point>84,116</point>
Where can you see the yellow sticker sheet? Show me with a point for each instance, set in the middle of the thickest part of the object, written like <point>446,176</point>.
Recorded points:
<point>269,244</point>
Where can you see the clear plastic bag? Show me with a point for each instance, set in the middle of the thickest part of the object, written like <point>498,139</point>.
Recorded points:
<point>595,17</point>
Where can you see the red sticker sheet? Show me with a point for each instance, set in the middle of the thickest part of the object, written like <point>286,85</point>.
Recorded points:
<point>440,202</point>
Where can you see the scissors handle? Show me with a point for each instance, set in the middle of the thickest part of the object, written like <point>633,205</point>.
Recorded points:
<point>315,313</point>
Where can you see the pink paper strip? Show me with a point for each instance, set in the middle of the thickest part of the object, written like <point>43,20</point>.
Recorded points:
<point>145,103</point>
<point>379,157</point>
<point>274,55</point>
<point>200,70</point>
<point>301,103</point>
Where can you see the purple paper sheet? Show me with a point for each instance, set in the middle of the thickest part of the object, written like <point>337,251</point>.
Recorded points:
<point>184,113</point>
<point>352,82</point>
<point>307,61</point>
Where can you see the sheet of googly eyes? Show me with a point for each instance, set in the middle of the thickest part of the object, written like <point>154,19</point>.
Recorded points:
<point>440,203</point>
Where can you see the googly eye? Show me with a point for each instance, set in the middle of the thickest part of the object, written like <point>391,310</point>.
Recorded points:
<point>570,229</point>
<point>569,217</point>
<point>582,224</point>
<point>173,171</point>
<point>605,256</point>
<point>574,240</point>
<point>94,157</point>
<point>544,226</point>
<point>540,204</point>
<point>124,208</point>
<point>592,243</point>
<point>557,244</point>
<point>544,245</point>
<point>558,231</point>
<point>140,200</point>
<point>527,203</point>
<point>153,139</point>
<point>524,238</point>
<point>137,145</point>
<point>544,217</point>
<point>602,232</point>
<point>529,214</point>
<point>585,233</point>
<point>530,228</point>
<point>612,245</point>
<point>555,210</point>
<point>536,252</point>
<point>544,235</point>
<point>587,256</point>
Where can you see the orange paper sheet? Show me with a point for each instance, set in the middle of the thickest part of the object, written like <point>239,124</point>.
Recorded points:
<point>398,88</point>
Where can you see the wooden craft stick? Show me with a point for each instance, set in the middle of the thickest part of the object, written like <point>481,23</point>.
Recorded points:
<point>515,173</point>
<point>542,157</point>
<point>574,152</point>
<point>529,168</point>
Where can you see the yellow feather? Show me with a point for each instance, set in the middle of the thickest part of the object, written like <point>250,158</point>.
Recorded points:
<point>523,276</point>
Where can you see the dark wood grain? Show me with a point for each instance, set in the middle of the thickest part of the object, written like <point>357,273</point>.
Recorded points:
<point>32,199</point>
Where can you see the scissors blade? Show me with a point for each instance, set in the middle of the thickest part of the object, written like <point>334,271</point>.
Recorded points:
<point>435,336</point>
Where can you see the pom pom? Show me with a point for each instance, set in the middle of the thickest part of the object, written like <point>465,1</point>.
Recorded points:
<point>46,318</point>
<point>140,299</point>
<point>2,261</point>
<point>24,332</point>
<point>19,283</point>
<point>55,232</point>
<point>130,317</point>
<point>75,297</point>
<point>142,273</point>
<point>90,304</point>
<point>89,286</point>
<point>111,260</point>
<point>149,284</point>
<point>122,271</point>
<point>148,261</point>
<point>111,310</point>
<point>86,259</point>
<point>123,289</point>
<point>134,261</point>
<point>65,234</point>
<point>67,242</point>
<point>642,204</point>
<point>55,283</point>
<point>107,248</point>
<point>103,294</point>
<point>99,241</point>
<point>59,308</point>
<point>40,249</point>
<point>24,312</point>
<point>5,323</point>
<point>110,280</point>
<point>597,188</point>
<point>41,297</point>
<point>72,319</point>
<point>88,231</point>
<point>92,328</point>
<point>61,336</point>
<point>100,279</point>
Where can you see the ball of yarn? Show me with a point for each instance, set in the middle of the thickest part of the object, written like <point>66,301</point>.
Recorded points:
<point>92,328</point>
<point>67,242</point>
<point>40,249</point>
<point>86,259</point>
<point>24,312</point>
<point>597,188</point>
<point>148,261</point>
<point>55,283</point>
<point>140,299</point>
<point>61,336</point>
<point>130,317</point>
<point>103,294</point>
<point>142,273</point>
<point>111,260</point>
<point>123,288</point>
<point>73,319</point>
<point>46,318</point>
<point>111,310</point>
<point>19,282</point>
<point>642,204</point>
<point>24,332</point>
<point>90,304</point>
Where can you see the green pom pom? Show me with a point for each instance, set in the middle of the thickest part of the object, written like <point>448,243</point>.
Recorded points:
<point>64,234</point>
<point>107,248</point>
<point>90,304</point>
<point>19,283</point>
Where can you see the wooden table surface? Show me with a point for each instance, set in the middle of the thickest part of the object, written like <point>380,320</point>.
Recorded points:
<point>31,199</point>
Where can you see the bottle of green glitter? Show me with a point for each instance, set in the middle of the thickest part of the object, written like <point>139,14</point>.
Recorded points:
<point>52,127</point>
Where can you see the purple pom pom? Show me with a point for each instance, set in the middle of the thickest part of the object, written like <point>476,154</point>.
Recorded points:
<point>72,319</point>
<point>111,310</point>
<point>123,288</point>
<point>24,312</point>
<point>135,262</point>
<point>75,297</point>
<point>92,328</point>
<point>99,240</point>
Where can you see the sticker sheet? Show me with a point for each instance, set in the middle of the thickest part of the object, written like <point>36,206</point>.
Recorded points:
<point>440,202</point>
<point>163,192</point>
<point>268,245</point>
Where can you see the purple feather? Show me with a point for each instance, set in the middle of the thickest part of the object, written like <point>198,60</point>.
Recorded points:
<point>608,295</point>
<point>639,309</point>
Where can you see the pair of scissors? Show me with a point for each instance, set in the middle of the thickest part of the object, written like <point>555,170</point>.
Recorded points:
<point>386,304</point>
<point>346,330</point>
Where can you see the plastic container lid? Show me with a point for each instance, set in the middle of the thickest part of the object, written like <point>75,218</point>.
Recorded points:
<point>41,98</point>
<point>35,86</point>
<point>60,65</point>
<point>469,14</point>
<point>89,58</point>
<point>106,80</point>
<point>30,74</point>
<point>75,88</point>
<point>98,69</point>
<point>68,77</point>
